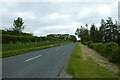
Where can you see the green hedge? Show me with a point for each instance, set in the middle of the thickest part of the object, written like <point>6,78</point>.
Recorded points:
<point>14,39</point>
<point>109,50</point>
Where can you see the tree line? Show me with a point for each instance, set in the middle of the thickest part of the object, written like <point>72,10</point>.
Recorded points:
<point>15,34</point>
<point>108,31</point>
<point>105,39</point>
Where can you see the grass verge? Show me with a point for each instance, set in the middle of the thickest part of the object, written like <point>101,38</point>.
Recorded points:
<point>13,50</point>
<point>80,68</point>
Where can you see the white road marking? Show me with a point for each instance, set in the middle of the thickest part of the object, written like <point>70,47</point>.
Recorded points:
<point>32,58</point>
<point>57,49</point>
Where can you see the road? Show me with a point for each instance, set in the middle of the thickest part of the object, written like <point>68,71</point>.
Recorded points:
<point>46,63</point>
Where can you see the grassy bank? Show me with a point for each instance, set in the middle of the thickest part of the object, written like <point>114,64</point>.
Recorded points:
<point>21,48</point>
<point>86,68</point>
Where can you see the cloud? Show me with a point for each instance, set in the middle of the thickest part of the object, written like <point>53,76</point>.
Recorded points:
<point>85,12</point>
<point>104,10</point>
<point>57,16</point>
<point>24,14</point>
<point>42,18</point>
<point>59,0</point>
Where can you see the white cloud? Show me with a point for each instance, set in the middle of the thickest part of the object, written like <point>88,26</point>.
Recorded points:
<point>45,18</point>
<point>109,10</point>
<point>85,12</point>
<point>56,27</point>
<point>58,0</point>
<point>57,16</point>
<point>104,9</point>
<point>27,15</point>
<point>71,26</point>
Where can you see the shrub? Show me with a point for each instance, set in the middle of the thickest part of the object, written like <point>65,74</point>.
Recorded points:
<point>14,39</point>
<point>91,45</point>
<point>114,55</point>
<point>109,50</point>
<point>20,38</point>
<point>101,49</point>
<point>89,42</point>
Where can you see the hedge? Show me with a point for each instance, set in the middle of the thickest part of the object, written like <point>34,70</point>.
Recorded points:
<point>109,50</point>
<point>14,39</point>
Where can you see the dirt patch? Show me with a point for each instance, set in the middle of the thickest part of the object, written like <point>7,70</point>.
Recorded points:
<point>100,60</point>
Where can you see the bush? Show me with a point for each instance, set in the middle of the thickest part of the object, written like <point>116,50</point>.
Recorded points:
<point>88,44</point>
<point>119,56</point>
<point>101,49</point>
<point>9,36</point>
<point>14,39</point>
<point>109,50</point>
<point>20,38</point>
<point>114,55</point>
<point>91,45</point>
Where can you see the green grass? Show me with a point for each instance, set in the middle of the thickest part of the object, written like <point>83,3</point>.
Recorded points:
<point>21,48</point>
<point>18,46</point>
<point>80,68</point>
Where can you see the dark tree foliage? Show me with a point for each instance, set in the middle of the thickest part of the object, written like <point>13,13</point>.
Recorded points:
<point>82,33</point>
<point>109,29</point>
<point>63,36</point>
<point>73,38</point>
<point>108,32</point>
<point>11,32</point>
<point>102,31</point>
<point>18,25</point>
<point>105,40</point>
<point>93,32</point>
<point>77,32</point>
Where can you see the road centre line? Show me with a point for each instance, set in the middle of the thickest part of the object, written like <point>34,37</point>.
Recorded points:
<point>32,58</point>
<point>57,49</point>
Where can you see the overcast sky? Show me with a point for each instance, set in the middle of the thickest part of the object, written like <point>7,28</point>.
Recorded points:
<point>42,18</point>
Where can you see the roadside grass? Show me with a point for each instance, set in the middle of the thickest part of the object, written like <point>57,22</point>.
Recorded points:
<point>80,68</point>
<point>18,46</point>
<point>22,48</point>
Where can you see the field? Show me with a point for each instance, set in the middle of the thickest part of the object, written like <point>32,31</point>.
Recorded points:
<point>20,48</point>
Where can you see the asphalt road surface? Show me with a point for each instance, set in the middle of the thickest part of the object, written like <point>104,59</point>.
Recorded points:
<point>46,63</point>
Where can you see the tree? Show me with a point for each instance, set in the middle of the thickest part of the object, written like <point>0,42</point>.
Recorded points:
<point>87,32</point>
<point>107,32</point>
<point>115,32</point>
<point>92,32</point>
<point>51,35</point>
<point>77,32</point>
<point>108,29</point>
<point>18,25</point>
<point>102,30</point>
<point>118,40</point>
<point>82,33</point>
<point>111,30</point>
<point>73,38</point>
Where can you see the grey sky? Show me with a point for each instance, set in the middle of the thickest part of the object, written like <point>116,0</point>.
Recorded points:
<point>42,18</point>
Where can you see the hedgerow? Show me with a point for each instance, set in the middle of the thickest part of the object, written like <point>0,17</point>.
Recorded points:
<point>14,38</point>
<point>109,50</point>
